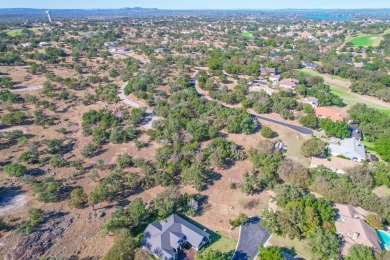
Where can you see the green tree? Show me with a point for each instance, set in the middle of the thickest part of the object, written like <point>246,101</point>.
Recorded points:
<point>14,118</point>
<point>196,175</point>
<point>47,190</point>
<point>382,145</point>
<point>123,248</point>
<point>35,218</point>
<point>313,147</point>
<point>375,221</point>
<point>309,120</point>
<point>267,132</point>
<point>78,198</point>
<point>240,220</point>
<point>15,169</point>
<point>323,245</point>
<point>360,252</point>
<point>30,156</point>
<point>90,150</point>
<point>270,253</point>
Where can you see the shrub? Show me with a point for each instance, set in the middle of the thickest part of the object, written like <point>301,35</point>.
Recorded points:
<point>267,132</point>
<point>15,169</point>
<point>375,221</point>
<point>35,218</point>
<point>48,190</point>
<point>313,147</point>
<point>240,220</point>
<point>270,253</point>
<point>78,198</point>
<point>123,248</point>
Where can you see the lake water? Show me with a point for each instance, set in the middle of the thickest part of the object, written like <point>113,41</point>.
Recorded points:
<point>326,17</point>
<point>385,239</point>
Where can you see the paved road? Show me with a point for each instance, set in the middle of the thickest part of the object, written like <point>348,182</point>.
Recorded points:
<point>252,235</point>
<point>20,89</point>
<point>150,116</point>
<point>299,129</point>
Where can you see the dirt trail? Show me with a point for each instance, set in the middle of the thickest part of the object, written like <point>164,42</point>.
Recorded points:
<point>12,202</point>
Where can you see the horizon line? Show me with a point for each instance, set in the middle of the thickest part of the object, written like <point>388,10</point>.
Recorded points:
<point>199,9</point>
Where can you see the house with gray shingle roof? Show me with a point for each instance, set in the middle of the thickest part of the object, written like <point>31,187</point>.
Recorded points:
<point>166,238</point>
<point>349,148</point>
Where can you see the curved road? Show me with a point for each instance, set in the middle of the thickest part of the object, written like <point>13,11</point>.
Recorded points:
<point>297,128</point>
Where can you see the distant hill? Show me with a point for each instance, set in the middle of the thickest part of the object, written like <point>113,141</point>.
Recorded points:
<point>26,14</point>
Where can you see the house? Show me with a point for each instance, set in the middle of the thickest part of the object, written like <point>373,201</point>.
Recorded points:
<point>289,83</point>
<point>350,225</point>
<point>159,50</point>
<point>266,70</point>
<point>166,238</point>
<point>27,44</point>
<point>119,49</point>
<point>358,64</point>
<point>313,101</point>
<point>274,78</point>
<point>44,44</point>
<point>326,112</point>
<point>310,65</point>
<point>259,85</point>
<point>113,43</point>
<point>356,132</point>
<point>349,148</point>
<point>336,164</point>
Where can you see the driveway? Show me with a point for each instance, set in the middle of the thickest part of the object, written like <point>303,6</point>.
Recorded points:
<point>150,117</point>
<point>252,235</point>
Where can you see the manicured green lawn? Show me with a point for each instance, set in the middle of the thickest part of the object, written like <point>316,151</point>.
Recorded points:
<point>366,40</point>
<point>297,245</point>
<point>218,241</point>
<point>14,33</point>
<point>382,191</point>
<point>18,32</point>
<point>247,34</point>
<point>349,98</point>
<point>224,244</point>
<point>369,145</point>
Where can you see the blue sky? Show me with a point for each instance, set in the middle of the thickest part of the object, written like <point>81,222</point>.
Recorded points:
<point>196,4</point>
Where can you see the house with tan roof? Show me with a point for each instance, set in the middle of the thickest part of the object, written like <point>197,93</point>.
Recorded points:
<point>274,78</point>
<point>326,112</point>
<point>350,225</point>
<point>336,164</point>
<point>289,83</point>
